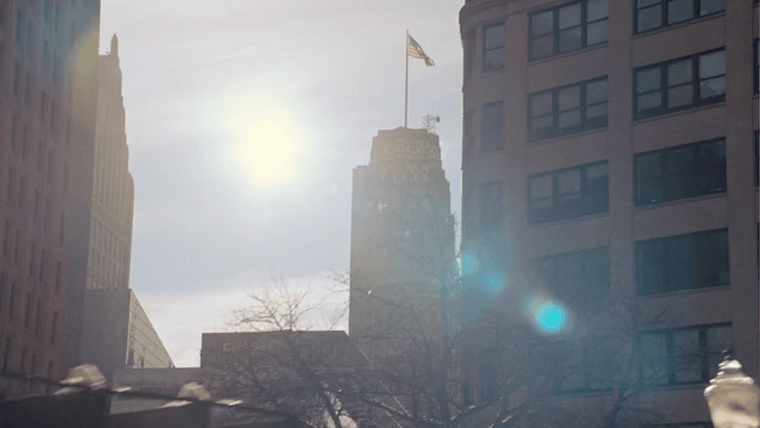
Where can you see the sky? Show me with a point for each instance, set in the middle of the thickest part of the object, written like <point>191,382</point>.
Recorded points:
<point>245,119</point>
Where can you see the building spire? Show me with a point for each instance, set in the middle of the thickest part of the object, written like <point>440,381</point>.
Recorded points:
<point>114,45</point>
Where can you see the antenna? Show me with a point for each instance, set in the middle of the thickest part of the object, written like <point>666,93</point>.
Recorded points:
<point>429,121</point>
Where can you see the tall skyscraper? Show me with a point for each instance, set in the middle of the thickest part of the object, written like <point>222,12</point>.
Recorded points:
<point>113,187</point>
<point>48,83</point>
<point>612,148</point>
<point>402,236</point>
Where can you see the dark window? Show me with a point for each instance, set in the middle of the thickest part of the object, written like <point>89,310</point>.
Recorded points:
<point>683,262</point>
<point>652,14</point>
<point>492,124</point>
<point>568,193</point>
<point>682,356</point>
<point>580,278</point>
<point>17,78</point>
<point>19,26</point>
<point>12,301</point>
<point>470,48</point>
<point>22,366</point>
<point>58,274</point>
<point>493,47</point>
<point>577,366</point>
<point>680,172</point>
<point>7,354</point>
<point>568,109</point>
<point>568,27</point>
<point>492,206</point>
<point>28,310</point>
<point>16,246</point>
<point>37,317</point>
<point>2,291</point>
<point>29,40</point>
<point>757,65</point>
<point>680,84</point>
<point>757,159</point>
<point>489,375</point>
<point>54,328</point>
<point>42,266</point>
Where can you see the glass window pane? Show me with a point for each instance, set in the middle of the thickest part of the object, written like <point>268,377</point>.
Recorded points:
<point>541,47</point>
<point>680,10</point>
<point>570,39</point>
<point>707,7</point>
<point>712,87</point>
<point>713,64</point>
<point>596,9</point>
<point>642,3</point>
<point>541,122</point>
<point>718,338</point>
<point>492,115</point>
<point>680,96</point>
<point>542,23</point>
<point>650,259</point>
<point>569,98</point>
<point>648,166</point>
<point>494,36</point>
<point>570,16</point>
<point>597,32</point>
<point>596,110</point>
<point>541,186</point>
<point>569,118</point>
<point>596,171</point>
<point>682,263</point>
<point>541,104</point>
<point>648,101</point>
<point>494,59</point>
<point>654,356</point>
<point>680,72</point>
<point>681,161</point>
<point>596,92</point>
<point>649,18</point>
<point>648,80</point>
<point>569,181</point>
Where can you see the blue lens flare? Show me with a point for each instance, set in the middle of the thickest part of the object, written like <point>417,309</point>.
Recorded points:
<point>493,280</point>
<point>470,264</point>
<point>551,317</point>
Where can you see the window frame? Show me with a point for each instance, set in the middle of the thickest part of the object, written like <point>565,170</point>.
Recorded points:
<point>697,101</point>
<point>589,257</point>
<point>585,207</point>
<point>700,262</point>
<point>486,50</point>
<point>664,10</point>
<point>586,123</point>
<point>584,23</point>
<point>499,144</point>
<point>667,176</point>
<point>490,222</point>
<point>705,354</point>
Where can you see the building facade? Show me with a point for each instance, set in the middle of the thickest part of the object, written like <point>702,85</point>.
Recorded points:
<point>48,57</point>
<point>117,333</point>
<point>402,237</point>
<point>113,187</point>
<point>612,146</point>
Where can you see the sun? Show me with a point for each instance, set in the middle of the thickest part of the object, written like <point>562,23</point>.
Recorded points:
<point>268,149</point>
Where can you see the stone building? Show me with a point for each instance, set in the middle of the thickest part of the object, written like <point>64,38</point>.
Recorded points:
<point>48,84</point>
<point>610,191</point>
<point>402,239</point>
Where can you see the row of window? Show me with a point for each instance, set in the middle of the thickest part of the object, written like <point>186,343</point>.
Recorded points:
<point>11,303</point>
<point>12,251</point>
<point>676,356</point>
<point>581,279</point>
<point>663,175</point>
<point>580,24</point>
<point>661,88</point>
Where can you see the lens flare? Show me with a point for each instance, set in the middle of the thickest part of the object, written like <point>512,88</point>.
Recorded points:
<point>493,280</point>
<point>470,264</point>
<point>551,318</point>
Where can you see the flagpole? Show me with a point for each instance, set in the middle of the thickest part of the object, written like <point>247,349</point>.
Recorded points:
<point>406,80</point>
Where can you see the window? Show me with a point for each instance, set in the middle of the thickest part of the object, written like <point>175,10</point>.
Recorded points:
<point>757,159</point>
<point>680,84</point>
<point>37,316</point>
<point>580,278</point>
<point>568,27</point>
<point>6,238</point>
<point>683,262</point>
<point>470,47</point>
<point>2,291</point>
<point>578,366</point>
<point>757,66</point>
<point>58,274</point>
<point>29,40</point>
<point>682,356</point>
<point>492,206</point>
<point>16,246</point>
<point>28,310</point>
<point>493,47</point>
<point>492,123</point>
<point>680,172</point>
<point>488,369</point>
<point>12,301</point>
<point>568,193</point>
<point>652,14</point>
<point>568,109</point>
<point>54,328</point>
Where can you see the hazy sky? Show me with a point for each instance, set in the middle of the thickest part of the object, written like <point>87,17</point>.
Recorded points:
<point>245,119</point>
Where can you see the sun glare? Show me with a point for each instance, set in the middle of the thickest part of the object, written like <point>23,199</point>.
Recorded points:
<point>268,149</point>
